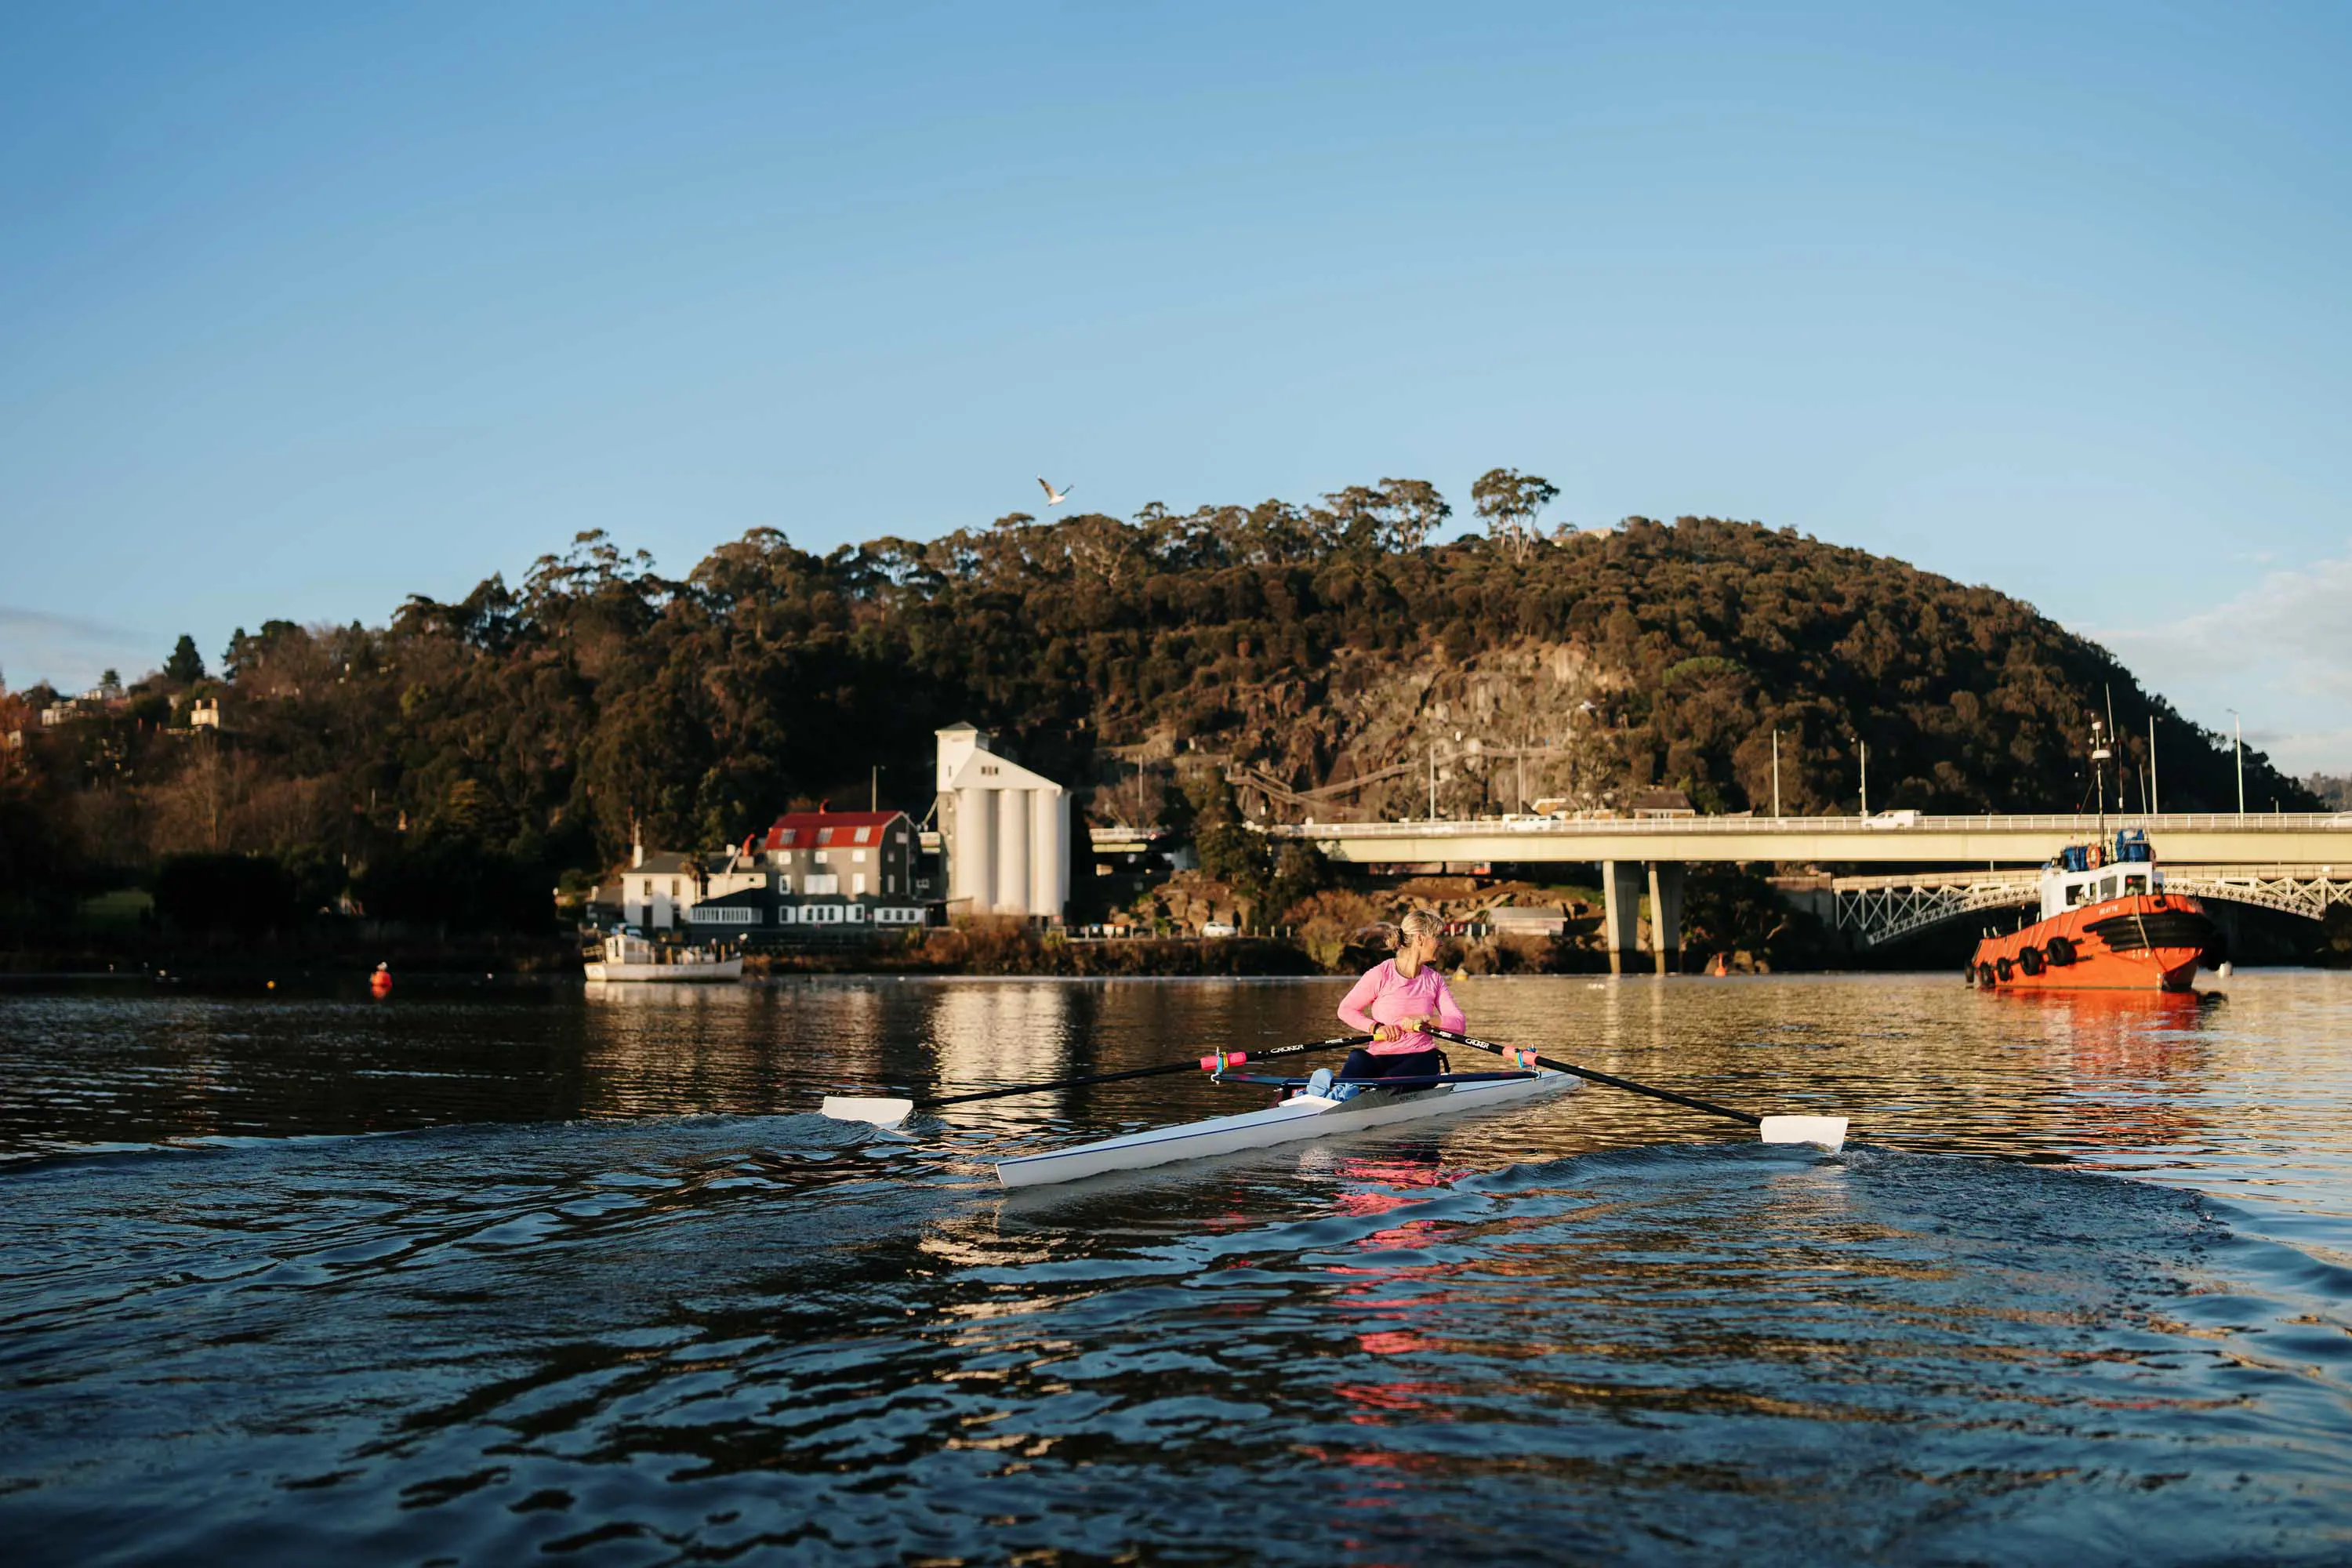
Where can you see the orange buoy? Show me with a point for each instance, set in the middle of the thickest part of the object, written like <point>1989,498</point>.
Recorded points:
<point>381,981</point>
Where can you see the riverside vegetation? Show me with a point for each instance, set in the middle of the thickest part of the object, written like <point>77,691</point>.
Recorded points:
<point>446,771</point>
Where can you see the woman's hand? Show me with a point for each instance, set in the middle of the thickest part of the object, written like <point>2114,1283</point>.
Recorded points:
<point>1384,1033</point>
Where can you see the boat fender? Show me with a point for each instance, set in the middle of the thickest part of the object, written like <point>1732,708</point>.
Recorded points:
<point>1224,1060</point>
<point>2061,951</point>
<point>2029,959</point>
<point>1984,974</point>
<point>2005,969</point>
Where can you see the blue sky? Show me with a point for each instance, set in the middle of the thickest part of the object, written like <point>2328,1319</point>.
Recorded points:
<point>305,308</point>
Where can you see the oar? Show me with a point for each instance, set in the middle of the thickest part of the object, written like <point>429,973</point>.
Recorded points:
<point>1828,1131</point>
<point>890,1112</point>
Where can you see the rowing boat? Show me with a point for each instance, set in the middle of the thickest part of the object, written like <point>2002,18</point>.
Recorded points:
<point>1299,1117</point>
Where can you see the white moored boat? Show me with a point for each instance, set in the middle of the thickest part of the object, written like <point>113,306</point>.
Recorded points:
<point>1301,1116</point>
<point>627,957</point>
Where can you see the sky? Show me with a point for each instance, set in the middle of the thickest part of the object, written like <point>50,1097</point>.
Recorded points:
<point>304,309</point>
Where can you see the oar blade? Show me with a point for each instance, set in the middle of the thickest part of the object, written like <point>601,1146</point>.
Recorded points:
<point>1828,1131</point>
<point>881,1112</point>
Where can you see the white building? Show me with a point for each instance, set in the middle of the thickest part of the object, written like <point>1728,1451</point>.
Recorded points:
<point>1006,830</point>
<point>658,889</point>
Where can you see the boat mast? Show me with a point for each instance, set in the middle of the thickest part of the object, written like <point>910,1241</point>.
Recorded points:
<point>2099,754</point>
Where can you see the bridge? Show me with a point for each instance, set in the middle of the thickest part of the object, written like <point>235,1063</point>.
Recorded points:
<point>2300,861</point>
<point>1880,910</point>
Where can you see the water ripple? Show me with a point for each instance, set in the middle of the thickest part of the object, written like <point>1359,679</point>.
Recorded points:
<point>700,1323</point>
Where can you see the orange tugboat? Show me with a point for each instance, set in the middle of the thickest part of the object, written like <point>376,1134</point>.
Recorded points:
<point>2106,924</point>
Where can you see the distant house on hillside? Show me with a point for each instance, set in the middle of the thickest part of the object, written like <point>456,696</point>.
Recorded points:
<point>1660,802</point>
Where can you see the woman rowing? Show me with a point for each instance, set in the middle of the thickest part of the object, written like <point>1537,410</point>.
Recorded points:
<point>1395,1002</point>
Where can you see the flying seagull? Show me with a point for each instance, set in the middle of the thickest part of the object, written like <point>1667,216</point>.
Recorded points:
<point>1052,496</point>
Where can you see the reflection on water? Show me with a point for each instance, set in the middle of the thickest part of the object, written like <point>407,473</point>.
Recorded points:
<point>608,1289</point>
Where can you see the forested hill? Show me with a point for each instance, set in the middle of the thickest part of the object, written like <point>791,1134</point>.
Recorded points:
<point>1300,646</point>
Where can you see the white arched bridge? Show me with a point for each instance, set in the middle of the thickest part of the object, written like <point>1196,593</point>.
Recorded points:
<point>1888,908</point>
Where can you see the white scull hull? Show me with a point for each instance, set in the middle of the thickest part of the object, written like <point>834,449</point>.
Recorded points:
<point>1301,1117</point>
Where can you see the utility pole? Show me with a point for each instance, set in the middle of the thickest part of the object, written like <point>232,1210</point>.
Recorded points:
<point>873,789</point>
<point>1432,781</point>
<point>1776,775</point>
<point>2238,732</point>
<point>2155,796</point>
<point>1864,747</point>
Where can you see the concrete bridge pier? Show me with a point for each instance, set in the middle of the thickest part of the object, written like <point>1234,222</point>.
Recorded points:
<point>1620,911</point>
<point>1666,915</point>
<point>1623,884</point>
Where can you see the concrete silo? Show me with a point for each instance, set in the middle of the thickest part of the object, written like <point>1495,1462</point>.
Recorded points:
<point>1006,830</point>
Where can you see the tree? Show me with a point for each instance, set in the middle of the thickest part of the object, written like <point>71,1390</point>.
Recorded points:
<point>1510,502</point>
<point>186,666</point>
<point>1397,516</point>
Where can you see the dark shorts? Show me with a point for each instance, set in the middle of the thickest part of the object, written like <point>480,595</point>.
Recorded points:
<point>1362,1065</point>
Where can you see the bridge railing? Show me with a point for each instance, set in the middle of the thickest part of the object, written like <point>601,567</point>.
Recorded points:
<point>2028,878</point>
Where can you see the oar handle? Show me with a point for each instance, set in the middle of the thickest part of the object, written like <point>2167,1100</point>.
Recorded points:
<point>1233,1058</point>
<point>1625,1083</point>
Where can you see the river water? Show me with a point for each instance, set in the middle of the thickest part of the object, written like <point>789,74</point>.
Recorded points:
<point>494,1277</point>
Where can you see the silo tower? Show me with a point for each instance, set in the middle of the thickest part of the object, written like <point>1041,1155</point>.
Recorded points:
<point>1006,831</point>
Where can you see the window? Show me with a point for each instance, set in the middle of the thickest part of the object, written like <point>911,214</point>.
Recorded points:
<point>825,836</point>
<point>889,883</point>
<point>858,886</point>
<point>2135,884</point>
<point>723,915</point>
<point>818,883</point>
<point>784,882</point>
<point>673,886</point>
<point>864,836</point>
<point>857,856</point>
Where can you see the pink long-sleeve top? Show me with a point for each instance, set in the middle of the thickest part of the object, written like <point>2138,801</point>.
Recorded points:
<point>1384,997</point>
